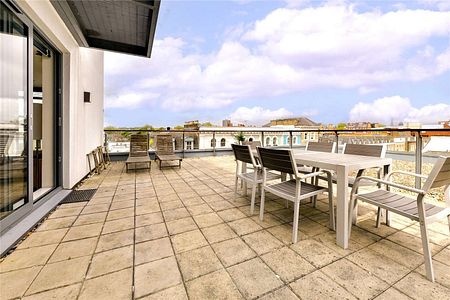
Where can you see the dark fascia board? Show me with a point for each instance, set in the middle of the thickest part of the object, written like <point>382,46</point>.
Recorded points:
<point>66,14</point>
<point>151,36</point>
<point>116,46</point>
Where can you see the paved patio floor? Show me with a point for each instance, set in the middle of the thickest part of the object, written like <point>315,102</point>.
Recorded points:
<point>179,234</point>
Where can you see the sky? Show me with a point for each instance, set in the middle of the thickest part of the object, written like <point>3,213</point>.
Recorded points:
<point>252,61</point>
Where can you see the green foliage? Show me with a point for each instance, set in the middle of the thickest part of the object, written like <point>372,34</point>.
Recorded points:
<point>207,124</point>
<point>341,126</point>
<point>240,137</point>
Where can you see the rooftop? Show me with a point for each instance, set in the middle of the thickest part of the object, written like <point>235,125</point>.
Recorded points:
<point>179,233</point>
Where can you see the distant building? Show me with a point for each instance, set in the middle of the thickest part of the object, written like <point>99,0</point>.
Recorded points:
<point>362,125</point>
<point>297,122</point>
<point>192,125</point>
<point>227,123</point>
<point>222,138</point>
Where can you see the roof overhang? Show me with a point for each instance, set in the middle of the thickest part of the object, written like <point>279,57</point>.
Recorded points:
<point>126,26</point>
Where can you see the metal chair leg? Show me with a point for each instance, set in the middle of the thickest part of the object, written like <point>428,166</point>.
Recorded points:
<point>353,203</point>
<point>261,207</point>
<point>425,241</point>
<point>252,203</point>
<point>379,215</point>
<point>295,222</point>
<point>332,222</point>
<point>236,187</point>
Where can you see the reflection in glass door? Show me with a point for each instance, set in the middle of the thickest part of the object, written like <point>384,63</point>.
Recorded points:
<point>43,117</point>
<point>13,112</point>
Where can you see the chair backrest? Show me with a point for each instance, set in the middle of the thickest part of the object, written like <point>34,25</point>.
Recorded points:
<point>366,150</point>
<point>321,147</point>
<point>164,144</point>
<point>139,145</point>
<point>439,175</point>
<point>252,144</point>
<point>243,153</point>
<point>277,159</point>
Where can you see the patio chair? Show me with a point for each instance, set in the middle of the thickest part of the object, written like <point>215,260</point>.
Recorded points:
<point>253,144</point>
<point>295,189</point>
<point>164,150</point>
<point>243,156</point>
<point>321,147</point>
<point>318,147</point>
<point>366,150</point>
<point>138,151</point>
<point>413,208</point>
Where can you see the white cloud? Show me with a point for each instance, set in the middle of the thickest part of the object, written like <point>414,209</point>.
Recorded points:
<point>440,4</point>
<point>258,115</point>
<point>288,51</point>
<point>396,109</point>
<point>128,101</point>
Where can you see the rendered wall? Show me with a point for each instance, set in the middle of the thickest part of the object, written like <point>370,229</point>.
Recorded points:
<point>82,70</point>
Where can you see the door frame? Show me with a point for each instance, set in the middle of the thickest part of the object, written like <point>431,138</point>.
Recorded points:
<point>30,204</point>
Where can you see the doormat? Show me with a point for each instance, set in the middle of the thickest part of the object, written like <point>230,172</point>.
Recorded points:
<point>79,196</point>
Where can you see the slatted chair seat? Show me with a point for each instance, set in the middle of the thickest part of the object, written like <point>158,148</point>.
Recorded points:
<point>288,189</point>
<point>415,209</point>
<point>399,204</point>
<point>259,176</point>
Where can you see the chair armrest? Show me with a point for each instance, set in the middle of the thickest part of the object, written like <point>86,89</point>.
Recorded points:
<point>404,173</point>
<point>314,174</point>
<point>389,183</point>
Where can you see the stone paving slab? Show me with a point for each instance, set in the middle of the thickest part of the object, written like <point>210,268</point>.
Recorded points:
<point>183,234</point>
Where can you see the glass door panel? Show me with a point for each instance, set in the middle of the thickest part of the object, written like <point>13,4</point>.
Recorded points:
<point>13,112</point>
<point>43,117</point>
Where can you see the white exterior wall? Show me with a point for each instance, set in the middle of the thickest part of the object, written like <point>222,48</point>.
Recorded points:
<point>82,70</point>
<point>205,139</point>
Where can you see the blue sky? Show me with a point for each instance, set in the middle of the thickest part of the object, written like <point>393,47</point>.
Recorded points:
<point>252,61</point>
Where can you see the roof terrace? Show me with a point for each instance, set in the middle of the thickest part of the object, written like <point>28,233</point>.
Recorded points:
<point>181,234</point>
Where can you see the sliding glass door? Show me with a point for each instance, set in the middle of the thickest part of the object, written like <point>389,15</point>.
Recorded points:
<point>44,108</point>
<point>29,116</point>
<point>13,112</point>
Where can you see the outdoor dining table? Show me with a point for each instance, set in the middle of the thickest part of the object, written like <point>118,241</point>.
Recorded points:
<point>343,165</point>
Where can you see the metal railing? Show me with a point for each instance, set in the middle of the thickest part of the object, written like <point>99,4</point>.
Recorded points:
<point>367,136</point>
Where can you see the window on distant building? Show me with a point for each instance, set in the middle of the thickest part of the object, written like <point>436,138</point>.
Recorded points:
<point>288,140</point>
<point>306,136</point>
<point>222,142</point>
<point>268,141</point>
<point>294,139</point>
<point>213,143</point>
<point>189,145</point>
<point>250,139</point>
<point>274,141</point>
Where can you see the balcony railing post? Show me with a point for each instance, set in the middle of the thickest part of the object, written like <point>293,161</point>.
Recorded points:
<point>418,158</point>
<point>183,145</point>
<point>337,141</point>
<point>262,138</point>
<point>214,143</point>
<point>148,139</point>
<point>290,139</point>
